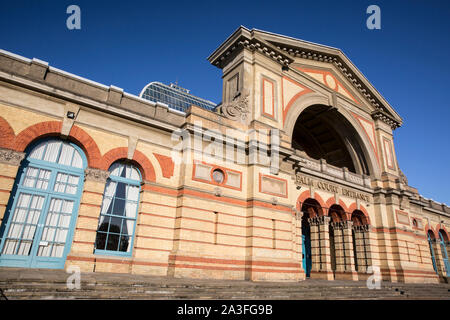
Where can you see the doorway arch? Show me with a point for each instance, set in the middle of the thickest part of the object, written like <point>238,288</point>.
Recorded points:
<point>311,209</point>
<point>359,146</point>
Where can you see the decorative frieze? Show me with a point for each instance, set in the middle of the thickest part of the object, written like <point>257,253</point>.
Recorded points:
<point>96,175</point>
<point>362,228</point>
<point>317,221</point>
<point>11,157</point>
<point>340,225</point>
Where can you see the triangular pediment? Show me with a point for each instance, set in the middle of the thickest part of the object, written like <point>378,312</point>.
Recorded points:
<point>336,71</point>
<point>332,80</point>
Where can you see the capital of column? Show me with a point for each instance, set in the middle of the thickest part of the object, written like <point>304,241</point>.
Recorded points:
<point>97,175</point>
<point>363,228</point>
<point>11,157</point>
<point>341,225</point>
<point>319,220</point>
<point>298,213</point>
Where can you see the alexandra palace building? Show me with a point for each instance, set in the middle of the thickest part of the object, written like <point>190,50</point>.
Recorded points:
<point>292,176</point>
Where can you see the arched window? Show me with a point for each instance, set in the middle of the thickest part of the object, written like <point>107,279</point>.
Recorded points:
<point>38,226</point>
<point>117,221</point>
<point>431,240</point>
<point>443,243</point>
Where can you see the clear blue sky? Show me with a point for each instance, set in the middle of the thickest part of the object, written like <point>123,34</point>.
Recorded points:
<point>131,43</point>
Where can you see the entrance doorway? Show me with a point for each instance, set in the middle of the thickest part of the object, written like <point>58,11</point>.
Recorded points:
<point>306,246</point>
<point>311,209</point>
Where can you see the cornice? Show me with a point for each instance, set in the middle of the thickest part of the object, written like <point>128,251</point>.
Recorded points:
<point>244,39</point>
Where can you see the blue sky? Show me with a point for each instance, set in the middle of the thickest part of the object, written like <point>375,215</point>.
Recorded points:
<point>131,43</point>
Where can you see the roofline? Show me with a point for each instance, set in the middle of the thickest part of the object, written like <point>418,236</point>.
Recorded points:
<point>84,80</point>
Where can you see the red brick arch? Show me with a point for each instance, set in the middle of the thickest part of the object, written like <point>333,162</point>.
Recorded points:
<point>6,134</point>
<point>307,195</point>
<point>430,228</point>
<point>366,213</point>
<point>320,200</point>
<point>440,227</point>
<point>36,131</point>
<point>166,163</point>
<point>329,203</point>
<point>353,207</point>
<point>140,159</point>
<point>89,146</point>
<point>302,197</point>
<point>53,128</point>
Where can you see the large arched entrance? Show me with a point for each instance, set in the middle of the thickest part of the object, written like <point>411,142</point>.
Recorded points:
<point>323,133</point>
<point>40,218</point>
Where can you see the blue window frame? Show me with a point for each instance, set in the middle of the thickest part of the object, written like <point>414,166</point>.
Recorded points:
<point>431,240</point>
<point>38,226</point>
<point>443,245</point>
<point>117,222</point>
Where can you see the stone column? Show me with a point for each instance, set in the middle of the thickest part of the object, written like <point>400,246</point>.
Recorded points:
<point>361,265</point>
<point>315,245</point>
<point>9,165</point>
<point>363,248</point>
<point>82,251</point>
<point>320,248</point>
<point>349,250</point>
<point>338,247</point>
<point>345,264</point>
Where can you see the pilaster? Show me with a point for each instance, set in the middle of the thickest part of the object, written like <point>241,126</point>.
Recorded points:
<point>82,251</point>
<point>345,263</point>
<point>320,248</point>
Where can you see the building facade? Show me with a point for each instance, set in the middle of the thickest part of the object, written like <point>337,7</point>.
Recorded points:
<point>293,175</point>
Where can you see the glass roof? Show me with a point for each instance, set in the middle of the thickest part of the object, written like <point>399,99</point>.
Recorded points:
<point>174,96</point>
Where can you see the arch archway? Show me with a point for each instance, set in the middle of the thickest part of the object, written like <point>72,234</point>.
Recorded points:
<point>311,209</point>
<point>357,145</point>
<point>323,133</point>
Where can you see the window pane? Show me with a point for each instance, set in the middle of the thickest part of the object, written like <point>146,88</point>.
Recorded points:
<point>52,151</point>
<point>113,242</point>
<point>66,155</point>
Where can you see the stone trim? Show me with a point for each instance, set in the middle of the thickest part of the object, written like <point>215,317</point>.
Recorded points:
<point>11,157</point>
<point>96,175</point>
